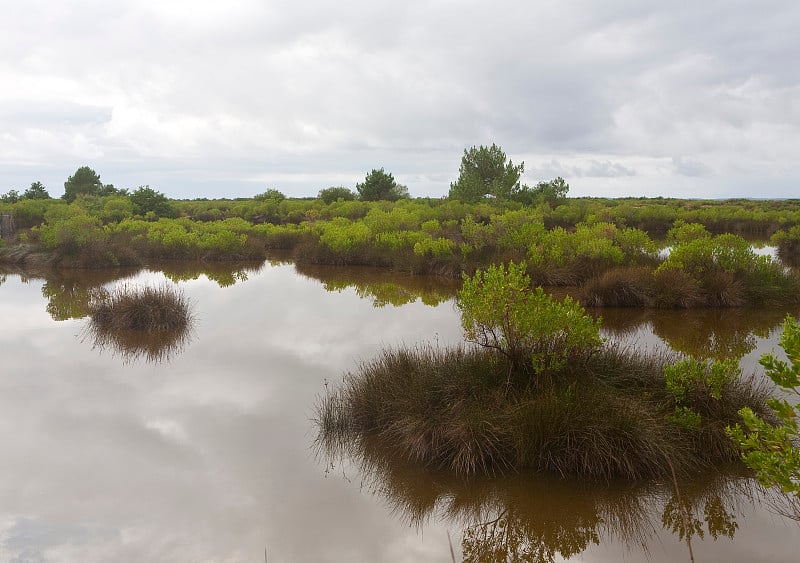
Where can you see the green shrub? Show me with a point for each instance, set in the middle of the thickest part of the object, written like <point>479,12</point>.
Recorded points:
<point>683,232</point>
<point>730,273</point>
<point>770,447</point>
<point>330,195</point>
<point>342,235</point>
<point>534,332</point>
<point>788,244</point>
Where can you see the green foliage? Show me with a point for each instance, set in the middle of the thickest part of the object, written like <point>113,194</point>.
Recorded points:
<point>36,191</point>
<point>690,376</point>
<point>68,230</point>
<point>729,271</point>
<point>332,194</point>
<point>515,230</point>
<point>11,196</point>
<point>31,212</point>
<point>272,194</point>
<point>341,235</point>
<point>116,208</point>
<point>695,384</point>
<point>686,418</point>
<point>788,243</point>
<point>109,190</point>
<point>586,248</point>
<point>379,186</point>
<point>84,181</point>
<point>485,172</point>
<point>146,200</point>
<point>636,245</point>
<point>552,193</point>
<point>533,331</point>
<point>683,232</point>
<point>430,246</point>
<point>771,448</point>
<point>699,256</point>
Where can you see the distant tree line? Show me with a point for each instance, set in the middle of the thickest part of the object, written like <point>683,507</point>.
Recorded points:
<point>36,191</point>
<point>485,174</point>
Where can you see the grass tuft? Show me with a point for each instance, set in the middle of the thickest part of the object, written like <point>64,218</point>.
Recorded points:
<point>135,308</point>
<point>152,323</point>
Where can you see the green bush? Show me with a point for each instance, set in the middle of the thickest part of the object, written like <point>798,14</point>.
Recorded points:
<point>536,333</point>
<point>730,273</point>
<point>788,244</point>
<point>330,195</point>
<point>770,447</point>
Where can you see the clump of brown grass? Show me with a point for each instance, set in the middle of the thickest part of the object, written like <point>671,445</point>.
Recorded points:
<point>676,289</point>
<point>723,289</point>
<point>453,409</point>
<point>620,287</point>
<point>141,308</point>
<point>136,322</point>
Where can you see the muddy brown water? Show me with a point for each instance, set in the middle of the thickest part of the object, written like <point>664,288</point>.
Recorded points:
<point>206,454</point>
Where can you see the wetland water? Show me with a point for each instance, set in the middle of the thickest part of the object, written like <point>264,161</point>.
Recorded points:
<point>208,456</point>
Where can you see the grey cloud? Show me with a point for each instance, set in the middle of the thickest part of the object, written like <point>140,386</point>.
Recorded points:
<point>30,113</point>
<point>258,87</point>
<point>690,167</point>
<point>580,169</point>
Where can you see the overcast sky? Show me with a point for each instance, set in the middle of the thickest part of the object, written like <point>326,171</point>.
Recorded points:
<point>226,99</point>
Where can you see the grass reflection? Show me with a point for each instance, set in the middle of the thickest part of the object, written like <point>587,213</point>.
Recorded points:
<point>537,518</point>
<point>133,346</point>
<point>707,333</point>
<point>382,287</point>
<point>223,274</point>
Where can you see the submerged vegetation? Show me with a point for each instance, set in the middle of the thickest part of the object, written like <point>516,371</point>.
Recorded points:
<point>539,390</point>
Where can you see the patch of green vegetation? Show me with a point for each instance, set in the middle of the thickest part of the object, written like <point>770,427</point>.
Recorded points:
<point>539,390</point>
<point>770,447</point>
<point>700,271</point>
<point>488,218</point>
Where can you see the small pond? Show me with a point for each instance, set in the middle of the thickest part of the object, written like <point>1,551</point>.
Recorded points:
<point>207,454</point>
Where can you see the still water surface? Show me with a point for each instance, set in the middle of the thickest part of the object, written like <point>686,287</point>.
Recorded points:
<point>208,456</point>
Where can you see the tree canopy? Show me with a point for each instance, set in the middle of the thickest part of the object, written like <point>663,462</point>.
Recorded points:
<point>329,195</point>
<point>271,193</point>
<point>380,185</point>
<point>84,181</point>
<point>485,172</point>
<point>36,191</point>
<point>11,196</point>
<point>147,200</point>
<point>553,193</point>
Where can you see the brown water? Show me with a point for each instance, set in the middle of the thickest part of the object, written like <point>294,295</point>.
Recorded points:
<point>208,456</point>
